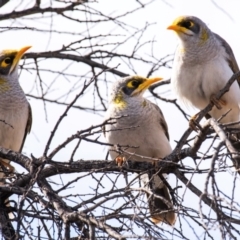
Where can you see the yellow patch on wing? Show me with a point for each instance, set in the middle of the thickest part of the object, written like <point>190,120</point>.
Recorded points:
<point>204,37</point>
<point>119,101</point>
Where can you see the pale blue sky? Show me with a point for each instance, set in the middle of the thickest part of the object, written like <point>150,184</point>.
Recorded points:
<point>224,20</point>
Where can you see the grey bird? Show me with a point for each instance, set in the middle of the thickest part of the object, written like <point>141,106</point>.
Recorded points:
<point>145,128</point>
<point>203,64</point>
<point>15,111</point>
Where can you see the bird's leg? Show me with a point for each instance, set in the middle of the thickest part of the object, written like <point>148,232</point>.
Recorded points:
<point>217,103</point>
<point>120,160</point>
<point>193,124</point>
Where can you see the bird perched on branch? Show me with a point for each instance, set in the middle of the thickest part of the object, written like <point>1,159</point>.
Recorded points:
<point>142,125</point>
<point>203,64</point>
<point>15,111</point>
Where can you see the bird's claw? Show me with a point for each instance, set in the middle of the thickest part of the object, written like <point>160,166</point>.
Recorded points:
<point>218,103</point>
<point>120,160</point>
<point>193,124</point>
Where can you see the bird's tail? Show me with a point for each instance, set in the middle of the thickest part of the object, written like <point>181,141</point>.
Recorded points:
<point>160,211</point>
<point>235,140</point>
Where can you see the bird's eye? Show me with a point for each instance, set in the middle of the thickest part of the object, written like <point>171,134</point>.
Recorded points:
<point>6,61</point>
<point>133,84</point>
<point>187,24</point>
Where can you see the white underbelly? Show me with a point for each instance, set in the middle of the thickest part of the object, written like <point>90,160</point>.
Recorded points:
<point>197,84</point>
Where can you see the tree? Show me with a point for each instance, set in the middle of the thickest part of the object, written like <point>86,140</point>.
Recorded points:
<point>59,191</point>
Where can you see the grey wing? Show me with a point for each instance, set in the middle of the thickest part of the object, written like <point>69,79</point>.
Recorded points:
<point>163,123</point>
<point>28,126</point>
<point>231,60</point>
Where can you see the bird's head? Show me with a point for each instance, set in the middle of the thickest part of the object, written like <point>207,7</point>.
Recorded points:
<point>129,88</point>
<point>9,60</point>
<point>191,30</point>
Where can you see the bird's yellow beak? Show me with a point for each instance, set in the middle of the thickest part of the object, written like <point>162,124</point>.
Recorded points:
<point>18,57</point>
<point>146,84</point>
<point>177,28</point>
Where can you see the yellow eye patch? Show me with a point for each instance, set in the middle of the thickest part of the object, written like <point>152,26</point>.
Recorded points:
<point>186,24</point>
<point>133,84</point>
<point>6,62</point>
<point>191,24</point>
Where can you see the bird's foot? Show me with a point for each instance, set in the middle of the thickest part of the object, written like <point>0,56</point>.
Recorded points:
<point>120,160</point>
<point>218,103</point>
<point>193,124</point>
<point>7,166</point>
<point>154,162</point>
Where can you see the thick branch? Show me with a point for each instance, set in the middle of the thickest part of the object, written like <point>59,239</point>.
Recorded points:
<point>75,58</point>
<point>69,216</point>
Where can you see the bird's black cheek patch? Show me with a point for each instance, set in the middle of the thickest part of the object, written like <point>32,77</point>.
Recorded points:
<point>4,71</point>
<point>196,28</point>
<point>128,91</point>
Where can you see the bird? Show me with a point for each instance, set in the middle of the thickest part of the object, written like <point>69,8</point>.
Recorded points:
<point>15,110</point>
<point>203,64</point>
<point>138,122</point>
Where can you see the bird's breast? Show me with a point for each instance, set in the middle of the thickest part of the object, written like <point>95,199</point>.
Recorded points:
<point>195,85</point>
<point>12,125</point>
<point>142,131</point>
